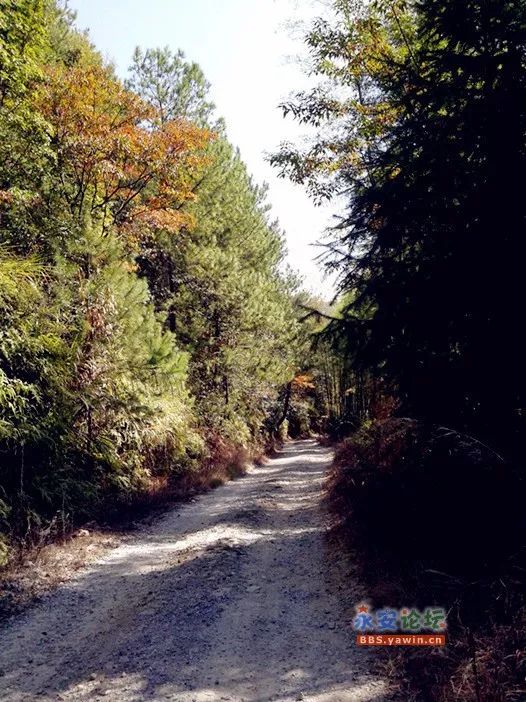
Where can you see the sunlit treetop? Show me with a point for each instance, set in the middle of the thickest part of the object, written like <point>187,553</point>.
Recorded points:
<point>354,57</point>
<point>118,160</point>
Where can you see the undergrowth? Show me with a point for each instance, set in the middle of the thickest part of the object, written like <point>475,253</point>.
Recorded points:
<point>434,517</point>
<point>220,461</point>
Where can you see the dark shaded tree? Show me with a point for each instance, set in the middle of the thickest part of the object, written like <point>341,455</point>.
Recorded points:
<point>428,147</point>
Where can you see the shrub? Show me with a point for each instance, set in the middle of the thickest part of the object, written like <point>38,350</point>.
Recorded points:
<point>434,516</point>
<point>430,493</point>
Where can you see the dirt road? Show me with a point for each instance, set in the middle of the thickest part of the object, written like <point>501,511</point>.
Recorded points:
<point>230,597</point>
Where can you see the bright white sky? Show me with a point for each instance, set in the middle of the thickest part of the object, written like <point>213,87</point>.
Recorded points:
<point>244,48</point>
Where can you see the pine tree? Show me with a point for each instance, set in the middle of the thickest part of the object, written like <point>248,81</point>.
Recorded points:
<point>220,282</point>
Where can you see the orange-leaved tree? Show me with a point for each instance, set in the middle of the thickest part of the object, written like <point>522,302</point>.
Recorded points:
<point>112,155</point>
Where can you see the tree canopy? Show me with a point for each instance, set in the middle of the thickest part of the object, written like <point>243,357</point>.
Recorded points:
<point>146,317</point>
<point>420,125</point>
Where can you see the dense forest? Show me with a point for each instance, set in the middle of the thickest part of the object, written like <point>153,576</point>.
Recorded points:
<point>419,120</point>
<point>147,325</point>
<point>420,117</point>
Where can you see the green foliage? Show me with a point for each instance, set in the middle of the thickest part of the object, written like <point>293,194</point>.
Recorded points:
<point>144,315</point>
<point>420,126</point>
<point>21,41</point>
<point>23,140</point>
<point>175,87</point>
<point>221,283</point>
<point>129,376</point>
<point>18,295</point>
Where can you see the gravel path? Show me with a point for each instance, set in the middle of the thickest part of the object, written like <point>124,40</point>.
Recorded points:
<point>229,597</point>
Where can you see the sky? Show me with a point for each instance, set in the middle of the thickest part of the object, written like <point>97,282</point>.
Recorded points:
<point>248,50</point>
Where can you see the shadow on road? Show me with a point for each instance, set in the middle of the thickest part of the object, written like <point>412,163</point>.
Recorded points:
<point>228,598</point>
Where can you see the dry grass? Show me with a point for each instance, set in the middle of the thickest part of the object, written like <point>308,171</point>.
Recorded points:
<point>225,461</point>
<point>39,564</point>
<point>481,667</point>
<point>36,571</point>
<point>388,469</point>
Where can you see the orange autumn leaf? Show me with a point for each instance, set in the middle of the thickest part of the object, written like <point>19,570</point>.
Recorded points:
<point>115,158</point>
<point>303,382</point>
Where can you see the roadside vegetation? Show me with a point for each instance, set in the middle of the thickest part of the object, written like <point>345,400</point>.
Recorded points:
<point>419,120</point>
<point>152,340</point>
<point>147,321</point>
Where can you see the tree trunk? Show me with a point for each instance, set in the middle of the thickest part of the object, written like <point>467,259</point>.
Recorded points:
<point>286,405</point>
